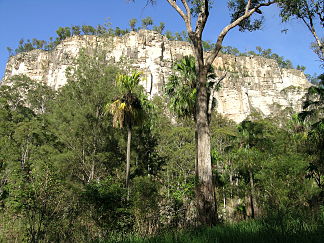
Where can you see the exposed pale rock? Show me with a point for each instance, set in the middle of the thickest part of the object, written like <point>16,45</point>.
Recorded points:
<point>252,83</point>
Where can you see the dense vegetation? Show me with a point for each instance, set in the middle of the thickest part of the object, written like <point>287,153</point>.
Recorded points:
<point>62,156</point>
<point>62,166</point>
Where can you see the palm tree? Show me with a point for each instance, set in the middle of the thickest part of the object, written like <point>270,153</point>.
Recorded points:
<point>182,87</point>
<point>127,110</point>
<point>181,91</point>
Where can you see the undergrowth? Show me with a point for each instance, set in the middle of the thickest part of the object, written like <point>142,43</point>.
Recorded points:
<point>247,231</point>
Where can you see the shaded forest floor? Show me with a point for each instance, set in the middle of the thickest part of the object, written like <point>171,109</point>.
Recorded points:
<point>248,231</point>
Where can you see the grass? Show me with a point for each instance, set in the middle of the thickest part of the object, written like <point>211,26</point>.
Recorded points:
<point>248,231</point>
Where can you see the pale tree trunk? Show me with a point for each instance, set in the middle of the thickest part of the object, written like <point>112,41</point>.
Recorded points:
<point>196,154</point>
<point>309,22</point>
<point>205,191</point>
<point>129,137</point>
<point>252,197</point>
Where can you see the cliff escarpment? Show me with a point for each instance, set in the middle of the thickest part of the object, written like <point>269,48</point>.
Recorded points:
<point>252,83</point>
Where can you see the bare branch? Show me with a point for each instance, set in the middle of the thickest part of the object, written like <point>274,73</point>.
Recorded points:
<point>224,32</point>
<point>182,14</point>
<point>202,18</point>
<point>247,7</point>
<point>185,4</point>
<point>311,28</point>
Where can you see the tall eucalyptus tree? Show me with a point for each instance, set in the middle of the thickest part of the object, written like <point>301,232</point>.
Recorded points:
<point>198,11</point>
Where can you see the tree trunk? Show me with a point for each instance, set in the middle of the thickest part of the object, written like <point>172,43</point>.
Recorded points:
<point>129,137</point>
<point>252,195</point>
<point>205,191</point>
<point>196,155</point>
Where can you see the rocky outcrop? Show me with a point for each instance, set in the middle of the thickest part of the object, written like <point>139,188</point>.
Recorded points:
<point>251,84</point>
<point>258,84</point>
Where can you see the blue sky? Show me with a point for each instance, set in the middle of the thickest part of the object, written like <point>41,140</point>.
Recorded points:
<point>40,18</point>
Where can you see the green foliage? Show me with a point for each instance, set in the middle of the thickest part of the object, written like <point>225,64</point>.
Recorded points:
<point>22,47</point>
<point>237,8</point>
<point>181,88</point>
<point>311,14</point>
<point>145,199</point>
<point>31,180</point>
<point>88,30</point>
<point>208,46</point>
<point>148,159</point>
<point>64,33</point>
<point>313,114</point>
<point>132,24</point>
<point>318,50</point>
<point>76,30</point>
<point>169,35</point>
<point>247,231</point>
<point>314,103</point>
<point>301,9</point>
<point>127,110</point>
<point>257,163</point>
<point>108,199</point>
<point>315,79</point>
<point>179,36</point>
<point>231,51</point>
<point>52,192</point>
<point>128,83</point>
<point>79,120</point>
<point>146,22</point>
<point>195,6</point>
<point>301,68</point>
<point>267,53</point>
<point>159,28</point>
<point>62,163</point>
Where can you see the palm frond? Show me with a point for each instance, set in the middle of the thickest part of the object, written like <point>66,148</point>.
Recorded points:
<point>118,109</point>
<point>127,110</point>
<point>128,83</point>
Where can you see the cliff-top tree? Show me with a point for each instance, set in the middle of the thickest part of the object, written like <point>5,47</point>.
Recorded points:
<point>132,24</point>
<point>146,22</point>
<point>198,11</point>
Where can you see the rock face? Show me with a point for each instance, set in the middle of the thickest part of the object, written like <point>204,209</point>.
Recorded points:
<point>251,84</point>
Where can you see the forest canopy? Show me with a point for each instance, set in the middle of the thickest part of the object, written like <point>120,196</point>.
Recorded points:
<point>99,161</point>
<point>63,164</point>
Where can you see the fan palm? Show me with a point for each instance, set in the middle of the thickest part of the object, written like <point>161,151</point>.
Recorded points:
<point>182,87</point>
<point>127,110</point>
<point>181,91</point>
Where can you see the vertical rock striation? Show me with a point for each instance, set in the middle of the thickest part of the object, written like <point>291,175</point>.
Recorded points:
<point>252,83</point>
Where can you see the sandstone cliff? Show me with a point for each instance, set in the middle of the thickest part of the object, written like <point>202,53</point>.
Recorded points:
<point>252,83</point>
